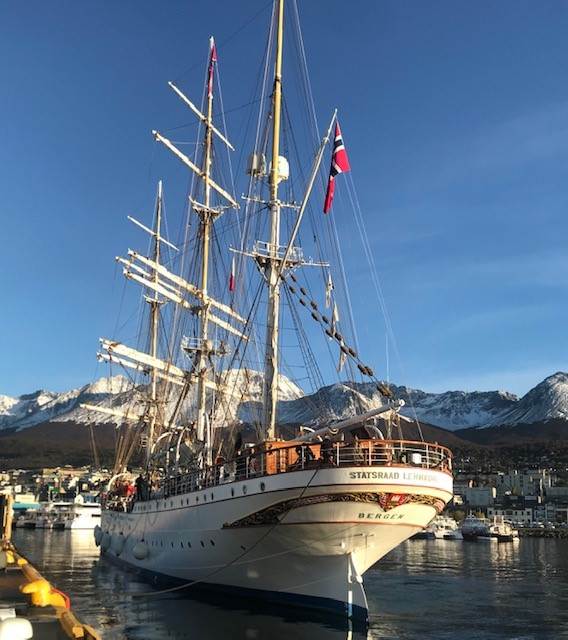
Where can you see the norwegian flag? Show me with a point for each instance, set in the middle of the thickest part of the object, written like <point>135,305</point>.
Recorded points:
<point>339,164</point>
<point>212,61</point>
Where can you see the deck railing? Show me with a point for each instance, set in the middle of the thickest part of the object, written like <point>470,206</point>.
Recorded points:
<point>275,458</point>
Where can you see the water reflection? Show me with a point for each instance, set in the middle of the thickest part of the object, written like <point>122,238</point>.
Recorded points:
<point>105,596</point>
<point>427,589</point>
<point>474,591</point>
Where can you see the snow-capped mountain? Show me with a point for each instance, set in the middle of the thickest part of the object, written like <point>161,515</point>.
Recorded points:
<point>334,402</point>
<point>457,409</point>
<point>44,406</point>
<point>547,401</point>
<point>117,392</point>
<point>451,410</point>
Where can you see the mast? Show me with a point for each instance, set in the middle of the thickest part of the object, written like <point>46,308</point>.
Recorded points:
<point>175,288</point>
<point>206,215</point>
<point>154,303</point>
<point>270,391</point>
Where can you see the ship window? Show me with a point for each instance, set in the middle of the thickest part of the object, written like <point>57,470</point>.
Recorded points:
<point>172,545</point>
<point>181,544</point>
<point>262,486</point>
<point>212,497</point>
<point>212,543</point>
<point>244,488</point>
<point>232,491</point>
<point>189,544</point>
<point>202,543</point>
<point>161,543</point>
<point>196,498</point>
<point>205,496</point>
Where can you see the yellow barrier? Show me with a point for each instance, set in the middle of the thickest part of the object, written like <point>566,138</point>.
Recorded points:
<point>42,594</point>
<point>72,627</point>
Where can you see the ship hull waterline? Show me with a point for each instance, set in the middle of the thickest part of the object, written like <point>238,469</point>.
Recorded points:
<point>304,537</point>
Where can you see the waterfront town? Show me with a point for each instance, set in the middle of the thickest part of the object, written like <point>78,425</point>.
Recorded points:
<point>529,498</point>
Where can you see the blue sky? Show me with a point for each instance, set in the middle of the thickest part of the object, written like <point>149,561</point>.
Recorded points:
<point>455,116</point>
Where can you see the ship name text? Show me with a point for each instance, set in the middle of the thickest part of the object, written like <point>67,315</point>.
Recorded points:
<point>381,516</point>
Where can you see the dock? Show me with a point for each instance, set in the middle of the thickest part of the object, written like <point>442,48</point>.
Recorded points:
<point>538,532</point>
<point>30,606</point>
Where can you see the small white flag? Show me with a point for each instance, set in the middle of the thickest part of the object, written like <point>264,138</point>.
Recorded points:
<point>328,289</point>
<point>335,317</point>
<point>342,359</point>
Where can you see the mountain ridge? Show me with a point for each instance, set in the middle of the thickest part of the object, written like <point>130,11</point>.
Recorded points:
<point>450,410</point>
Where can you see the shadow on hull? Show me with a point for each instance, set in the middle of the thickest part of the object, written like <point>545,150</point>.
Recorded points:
<point>231,612</point>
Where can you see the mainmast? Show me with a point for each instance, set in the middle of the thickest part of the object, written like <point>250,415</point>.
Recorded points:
<point>206,215</point>
<point>270,391</point>
<point>154,303</point>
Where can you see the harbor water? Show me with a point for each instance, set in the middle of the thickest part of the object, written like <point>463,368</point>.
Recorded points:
<point>424,589</point>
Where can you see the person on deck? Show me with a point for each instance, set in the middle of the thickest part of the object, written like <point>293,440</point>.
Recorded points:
<point>326,455</point>
<point>140,488</point>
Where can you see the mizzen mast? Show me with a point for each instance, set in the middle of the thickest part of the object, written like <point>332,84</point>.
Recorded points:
<point>270,390</point>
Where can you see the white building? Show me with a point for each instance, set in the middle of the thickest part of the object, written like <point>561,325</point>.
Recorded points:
<point>478,496</point>
<point>523,483</point>
<point>514,515</point>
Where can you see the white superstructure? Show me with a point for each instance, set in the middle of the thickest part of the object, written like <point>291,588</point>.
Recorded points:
<point>446,528</point>
<point>80,515</point>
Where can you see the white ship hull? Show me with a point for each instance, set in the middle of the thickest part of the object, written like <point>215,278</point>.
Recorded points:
<point>306,536</point>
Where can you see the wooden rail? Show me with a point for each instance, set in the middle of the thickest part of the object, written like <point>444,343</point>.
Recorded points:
<point>274,457</point>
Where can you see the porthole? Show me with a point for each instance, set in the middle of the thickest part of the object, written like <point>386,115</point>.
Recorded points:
<point>189,544</point>
<point>262,486</point>
<point>172,545</point>
<point>212,543</point>
<point>232,491</point>
<point>212,496</point>
<point>202,543</point>
<point>196,498</point>
<point>181,544</point>
<point>245,488</point>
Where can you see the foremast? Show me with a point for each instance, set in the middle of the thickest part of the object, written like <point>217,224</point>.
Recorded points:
<point>203,348</point>
<point>271,363</point>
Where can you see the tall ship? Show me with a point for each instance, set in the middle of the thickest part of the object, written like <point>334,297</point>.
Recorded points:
<point>238,491</point>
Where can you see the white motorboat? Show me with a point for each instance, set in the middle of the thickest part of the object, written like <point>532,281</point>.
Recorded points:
<point>446,528</point>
